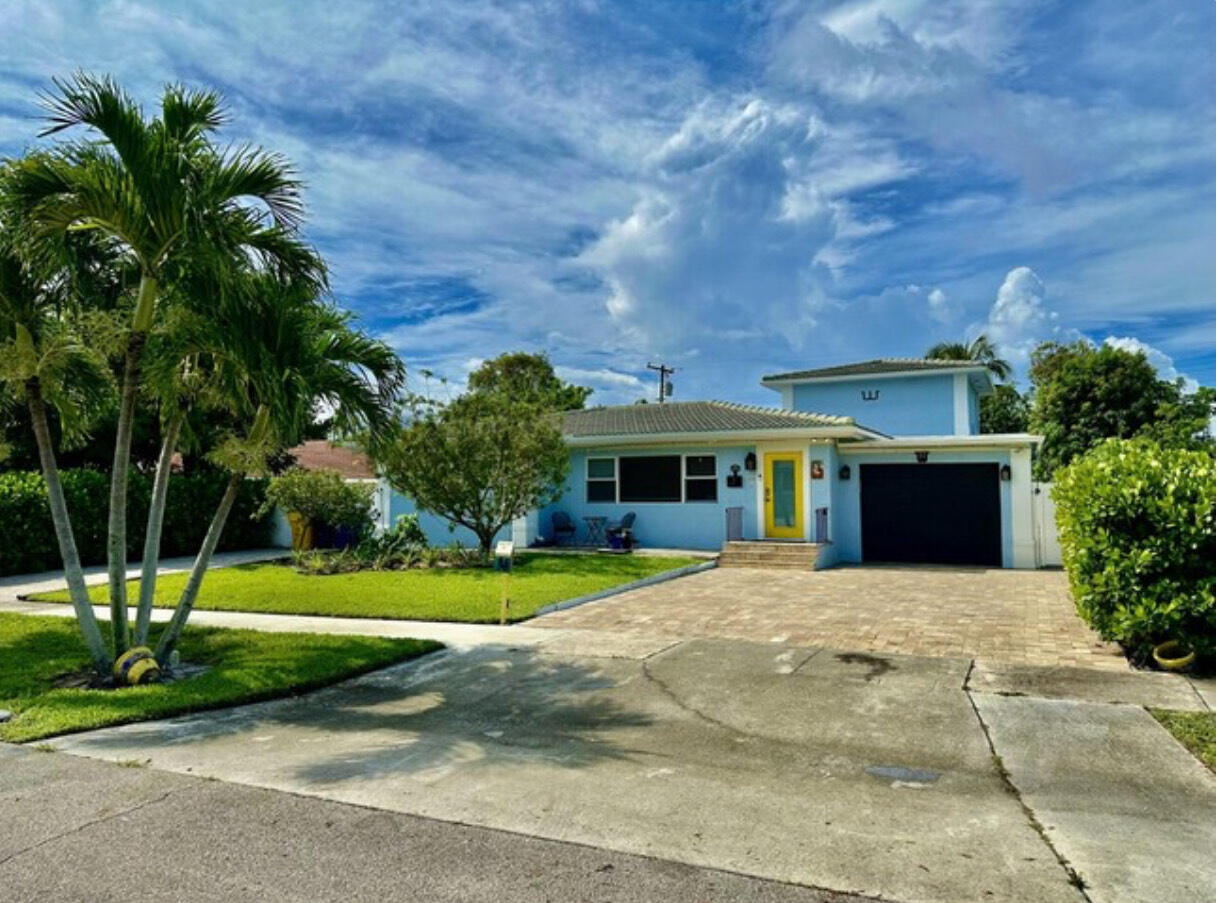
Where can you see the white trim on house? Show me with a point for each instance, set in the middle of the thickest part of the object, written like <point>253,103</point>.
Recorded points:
<point>739,437</point>
<point>780,383</point>
<point>1023,537</point>
<point>960,404</point>
<point>981,440</point>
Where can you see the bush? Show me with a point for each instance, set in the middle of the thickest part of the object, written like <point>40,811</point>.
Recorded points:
<point>1137,531</point>
<point>324,498</point>
<point>27,537</point>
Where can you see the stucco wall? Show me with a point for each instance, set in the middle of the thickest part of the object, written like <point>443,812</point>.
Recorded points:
<point>848,538</point>
<point>906,406</point>
<point>435,527</point>
<point>677,525</point>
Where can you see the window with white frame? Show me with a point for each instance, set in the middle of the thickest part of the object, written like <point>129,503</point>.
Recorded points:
<point>701,482</point>
<point>602,479</point>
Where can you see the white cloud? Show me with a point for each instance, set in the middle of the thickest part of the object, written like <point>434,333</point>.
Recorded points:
<point>725,235</point>
<point>1163,364</point>
<point>942,308</point>
<point>1020,320</point>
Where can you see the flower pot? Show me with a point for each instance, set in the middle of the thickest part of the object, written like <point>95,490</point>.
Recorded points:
<point>302,532</point>
<point>1174,656</point>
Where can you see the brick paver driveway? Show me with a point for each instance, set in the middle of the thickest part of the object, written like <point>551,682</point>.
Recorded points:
<point>1025,617</point>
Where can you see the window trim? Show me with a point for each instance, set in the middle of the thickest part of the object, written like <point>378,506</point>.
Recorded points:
<point>616,479</point>
<point>712,478</point>
<point>588,478</point>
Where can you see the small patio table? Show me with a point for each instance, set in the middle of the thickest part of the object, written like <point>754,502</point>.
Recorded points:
<point>596,530</point>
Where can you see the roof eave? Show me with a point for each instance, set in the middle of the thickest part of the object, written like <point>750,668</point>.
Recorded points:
<point>779,380</point>
<point>979,440</point>
<point>842,431</point>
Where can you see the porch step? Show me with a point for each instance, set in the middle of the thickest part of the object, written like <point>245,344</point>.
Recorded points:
<point>789,555</point>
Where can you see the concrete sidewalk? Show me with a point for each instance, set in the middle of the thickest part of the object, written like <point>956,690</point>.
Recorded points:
<point>17,585</point>
<point>75,829</point>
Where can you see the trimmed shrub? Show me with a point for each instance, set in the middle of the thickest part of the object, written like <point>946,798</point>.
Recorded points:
<point>27,537</point>
<point>1136,523</point>
<point>325,498</point>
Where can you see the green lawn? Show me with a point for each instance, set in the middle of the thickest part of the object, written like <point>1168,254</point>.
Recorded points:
<point>1193,729</point>
<point>245,666</point>
<point>436,594</point>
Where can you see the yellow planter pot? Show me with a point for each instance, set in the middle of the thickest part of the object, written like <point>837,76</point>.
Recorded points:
<point>302,532</point>
<point>1174,656</point>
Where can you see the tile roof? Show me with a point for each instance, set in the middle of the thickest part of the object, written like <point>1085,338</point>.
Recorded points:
<point>690,417</point>
<point>879,365</point>
<point>322,454</point>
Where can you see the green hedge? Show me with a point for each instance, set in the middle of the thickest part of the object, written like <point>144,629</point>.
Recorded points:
<point>1136,523</point>
<point>27,539</point>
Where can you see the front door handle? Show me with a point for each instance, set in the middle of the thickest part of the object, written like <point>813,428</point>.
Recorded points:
<point>767,493</point>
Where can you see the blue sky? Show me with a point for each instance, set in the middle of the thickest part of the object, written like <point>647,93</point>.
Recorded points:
<point>734,189</point>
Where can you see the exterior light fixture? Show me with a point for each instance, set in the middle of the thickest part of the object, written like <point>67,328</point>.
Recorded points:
<point>1004,473</point>
<point>843,472</point>
<point>921,456</point>
<point>750,461</point>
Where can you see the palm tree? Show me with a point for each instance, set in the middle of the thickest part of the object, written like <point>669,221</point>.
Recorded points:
<point>45,364</point>
<point>176,203</point>
<point>296,356</point>
<point>981,350</point>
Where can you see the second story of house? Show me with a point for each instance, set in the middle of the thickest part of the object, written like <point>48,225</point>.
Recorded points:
<point>900,397</point>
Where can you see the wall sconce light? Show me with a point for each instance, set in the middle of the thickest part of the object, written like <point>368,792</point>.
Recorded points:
<point>921,456</point>
<point>1004,473</point>
<point>843,472</point>
<point>750,461</point>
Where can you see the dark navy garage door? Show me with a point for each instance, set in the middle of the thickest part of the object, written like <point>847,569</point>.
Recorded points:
<point>931,513</point>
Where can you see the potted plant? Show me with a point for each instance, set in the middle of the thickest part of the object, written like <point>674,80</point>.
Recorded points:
<point>320,506</point>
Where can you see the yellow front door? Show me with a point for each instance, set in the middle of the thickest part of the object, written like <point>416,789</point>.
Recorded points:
<point>784,495</point>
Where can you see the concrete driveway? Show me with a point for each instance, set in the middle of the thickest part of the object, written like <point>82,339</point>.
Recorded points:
<point>1009,616</point>
<point>848,771</point>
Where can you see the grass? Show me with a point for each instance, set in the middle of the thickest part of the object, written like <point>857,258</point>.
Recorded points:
<point>243,666</point>
<point>1195,730</point>
<point>436,594</point>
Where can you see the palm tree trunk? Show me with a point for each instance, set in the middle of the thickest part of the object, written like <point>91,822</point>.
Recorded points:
<point>152,534</point>
<point>173,630</point>
<point>116,540</point>
<point>94,641</point>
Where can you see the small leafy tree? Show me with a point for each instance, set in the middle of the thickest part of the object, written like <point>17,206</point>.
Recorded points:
<point>528,379</point>
<point>1083,394</point>
<point>480,461</point>
<point>321,496</point>
<point>1137,530</point>
<point>1004,411</point>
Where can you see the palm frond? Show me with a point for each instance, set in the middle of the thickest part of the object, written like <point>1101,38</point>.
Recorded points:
<point>251,173</point>
<point>98,103</point>
<point>187,115</point>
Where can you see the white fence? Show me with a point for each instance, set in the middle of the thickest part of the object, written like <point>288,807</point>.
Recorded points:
<point>1044,524</point>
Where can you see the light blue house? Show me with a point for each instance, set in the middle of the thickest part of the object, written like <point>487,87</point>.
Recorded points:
<point>880,461</point>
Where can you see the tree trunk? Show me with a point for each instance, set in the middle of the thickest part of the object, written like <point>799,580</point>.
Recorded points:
<point>116,542</point>
<point>173,630</point>
<point>73,571</point>
<point>152,535</point>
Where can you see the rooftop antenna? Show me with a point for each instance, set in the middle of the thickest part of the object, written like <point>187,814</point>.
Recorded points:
<point>665,385</point>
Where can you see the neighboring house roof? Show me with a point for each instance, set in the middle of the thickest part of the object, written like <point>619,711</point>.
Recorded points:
<point>698,417</point>
<point>322,454</point>
<point>879,365</point>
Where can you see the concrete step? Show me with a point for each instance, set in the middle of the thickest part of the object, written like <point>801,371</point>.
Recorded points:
<point>770,554</point>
